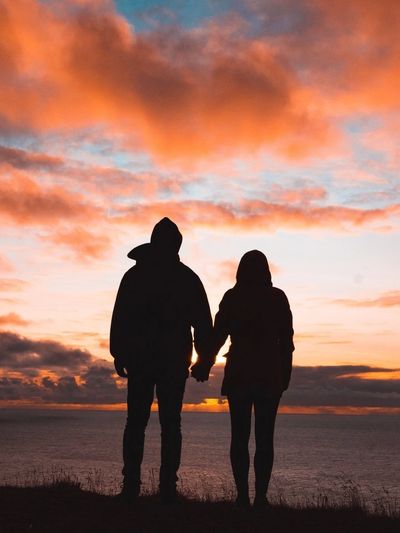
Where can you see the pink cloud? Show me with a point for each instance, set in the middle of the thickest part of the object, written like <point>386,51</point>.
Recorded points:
<point>84,244</point>
<point>296,195</point>
<point>387,299</point>
<point>12,284</point>
<point>24,202</point>
<point>228,268</point>
<point>258,214</point>
<point>5,265</point>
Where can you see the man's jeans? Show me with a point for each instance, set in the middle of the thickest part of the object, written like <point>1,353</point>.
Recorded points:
<point>265,409</point>
<point>140,398</point>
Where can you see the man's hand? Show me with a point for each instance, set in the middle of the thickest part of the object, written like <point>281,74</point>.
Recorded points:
<point>200,372</point>
<point>120,368</point>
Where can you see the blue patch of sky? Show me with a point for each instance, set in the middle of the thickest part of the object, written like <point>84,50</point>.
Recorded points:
<point>276,17</point>
<point>207,187</point>
<point>16,140</point>
<point>270,17</point>
<point>144,14</point>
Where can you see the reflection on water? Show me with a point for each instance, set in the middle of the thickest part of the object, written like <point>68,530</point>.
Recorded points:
<point>314,454</point>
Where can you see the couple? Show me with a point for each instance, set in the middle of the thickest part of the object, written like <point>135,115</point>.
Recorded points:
<point>158,303</point>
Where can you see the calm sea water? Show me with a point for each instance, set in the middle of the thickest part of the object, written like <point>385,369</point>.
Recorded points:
<point>314,454</point>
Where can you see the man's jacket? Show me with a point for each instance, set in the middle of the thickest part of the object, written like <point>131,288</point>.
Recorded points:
<point>158,302</point>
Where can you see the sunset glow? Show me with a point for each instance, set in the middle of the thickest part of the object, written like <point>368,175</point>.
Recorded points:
<point>254,125</point>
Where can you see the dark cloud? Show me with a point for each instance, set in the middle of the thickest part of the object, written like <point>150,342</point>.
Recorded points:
<point>47,371</point>
<point>50,372</point>
<point>96,386</point>
<point>346,385</point>
<point>17,352</point>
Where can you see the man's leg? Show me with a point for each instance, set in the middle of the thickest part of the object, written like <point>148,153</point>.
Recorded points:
<point>170,397</point>
<point>240,408</point>
<point>265,414</point>
<point>140,398</point>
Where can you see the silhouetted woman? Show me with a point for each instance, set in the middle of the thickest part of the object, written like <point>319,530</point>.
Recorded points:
<point>258,319</point>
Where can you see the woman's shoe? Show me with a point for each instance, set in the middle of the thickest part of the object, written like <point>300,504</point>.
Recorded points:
<point>261,502</point>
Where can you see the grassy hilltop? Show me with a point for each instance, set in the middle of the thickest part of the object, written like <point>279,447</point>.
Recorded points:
<point>64,507</point>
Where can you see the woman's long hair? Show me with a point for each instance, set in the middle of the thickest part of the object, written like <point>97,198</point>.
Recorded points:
<point>253,270</point>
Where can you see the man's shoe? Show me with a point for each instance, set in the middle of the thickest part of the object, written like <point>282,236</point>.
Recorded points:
<point>243,501</point>
<point>128,494</point>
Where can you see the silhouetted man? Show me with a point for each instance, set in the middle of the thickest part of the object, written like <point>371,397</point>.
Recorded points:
<point>158,302</point>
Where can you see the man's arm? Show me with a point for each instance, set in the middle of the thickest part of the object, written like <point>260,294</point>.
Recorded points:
<point>202,326</point>
<point>119,328</point>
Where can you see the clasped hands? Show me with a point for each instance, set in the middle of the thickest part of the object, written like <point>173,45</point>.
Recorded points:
<point>200,372</point>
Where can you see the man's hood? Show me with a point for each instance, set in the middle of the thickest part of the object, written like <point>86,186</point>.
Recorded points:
<point>165,242</point>
<point>141,252</point>
<point>166,236</point>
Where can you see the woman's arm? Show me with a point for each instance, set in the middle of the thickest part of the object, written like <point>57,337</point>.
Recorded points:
<point>286,338</point>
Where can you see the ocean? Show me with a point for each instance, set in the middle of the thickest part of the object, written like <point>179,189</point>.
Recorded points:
<point>336,456</point>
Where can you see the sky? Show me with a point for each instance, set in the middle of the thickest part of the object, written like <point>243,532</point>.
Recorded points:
<point>269,125</point>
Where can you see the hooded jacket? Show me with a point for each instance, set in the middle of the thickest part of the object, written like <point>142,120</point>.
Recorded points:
<point>158,302</point>
<point>258,319</point>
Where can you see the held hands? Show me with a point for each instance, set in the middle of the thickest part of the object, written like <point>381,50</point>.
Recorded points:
<point>120,368</point>
<point>200,372</point>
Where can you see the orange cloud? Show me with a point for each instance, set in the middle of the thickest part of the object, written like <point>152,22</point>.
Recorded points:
<point>257,214</point>
<point>214,90</point>
<point>177,94</point>
<point>387,299</point>
<point>24,202</point>
<point>85,244</point>
<point>391,374</point>
<point>24,159</point>
<point>348,51</point>
<point>12,319</point>
<point>336,410</point>
<point>99,181</point>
